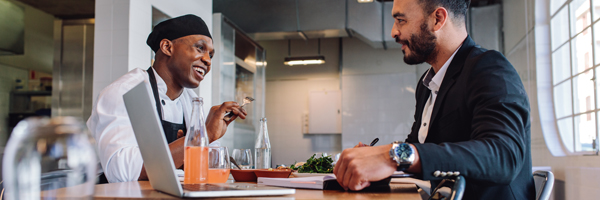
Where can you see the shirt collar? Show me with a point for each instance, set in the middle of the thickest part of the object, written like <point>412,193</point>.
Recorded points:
<point>162,87</point>
<point>433,80</point>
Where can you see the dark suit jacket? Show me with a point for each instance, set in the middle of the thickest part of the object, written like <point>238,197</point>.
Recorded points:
<point>479,126</point>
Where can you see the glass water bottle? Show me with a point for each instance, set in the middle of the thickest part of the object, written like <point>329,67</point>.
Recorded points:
<point>195,161</point>
<point>262,147</point>
<point>46,156</point>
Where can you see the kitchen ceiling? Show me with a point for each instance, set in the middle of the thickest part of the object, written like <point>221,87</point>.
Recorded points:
<point>79,9</point>
<point>65,9</point>
<point>474,3</point>
<point>259,16</point>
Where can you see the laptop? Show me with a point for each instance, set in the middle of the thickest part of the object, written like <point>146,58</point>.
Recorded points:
<point>159,163</point>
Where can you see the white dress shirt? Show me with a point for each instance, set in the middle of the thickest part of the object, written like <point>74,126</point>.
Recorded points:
<point>109,123</point>
<point>433,81</point>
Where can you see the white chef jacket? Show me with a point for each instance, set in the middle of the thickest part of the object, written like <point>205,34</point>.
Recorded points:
<point>109,123</point>
<point>433,81</point>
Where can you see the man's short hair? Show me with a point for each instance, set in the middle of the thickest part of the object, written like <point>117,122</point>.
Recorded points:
<point>458,8</point>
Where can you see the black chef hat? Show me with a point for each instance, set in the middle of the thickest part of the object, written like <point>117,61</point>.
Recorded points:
<point>175,28</point>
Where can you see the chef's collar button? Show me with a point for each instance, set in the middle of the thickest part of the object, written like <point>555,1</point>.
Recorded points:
<point>163,102</point>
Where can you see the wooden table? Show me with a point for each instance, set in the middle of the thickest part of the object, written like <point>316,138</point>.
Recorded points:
<point>143,190</point>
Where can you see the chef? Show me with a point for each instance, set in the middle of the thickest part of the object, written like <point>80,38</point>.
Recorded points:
<point>184,49</point>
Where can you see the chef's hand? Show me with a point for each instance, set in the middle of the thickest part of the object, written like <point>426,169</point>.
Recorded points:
<point>180,134</point>
<point>216,125</point>
<point>357,167</point>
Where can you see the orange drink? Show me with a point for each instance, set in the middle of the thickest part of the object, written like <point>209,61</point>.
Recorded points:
<point>218,175</point>
<point>195,163</point>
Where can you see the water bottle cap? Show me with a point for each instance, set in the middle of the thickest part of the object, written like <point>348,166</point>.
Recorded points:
<point>200,99</point>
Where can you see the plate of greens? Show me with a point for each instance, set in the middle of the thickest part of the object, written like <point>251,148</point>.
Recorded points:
<point>313,167</point>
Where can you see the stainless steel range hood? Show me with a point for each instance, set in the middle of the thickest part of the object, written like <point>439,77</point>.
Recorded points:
<point>12,25</point>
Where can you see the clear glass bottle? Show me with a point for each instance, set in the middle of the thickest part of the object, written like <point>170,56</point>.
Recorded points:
<point>43,155</point>
<point>262,147</point>
<point>195,161</point>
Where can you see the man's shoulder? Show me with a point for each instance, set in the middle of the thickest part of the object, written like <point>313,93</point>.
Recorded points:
<point>481,54</point>
<point>483,60</point>
<point>124,83</point>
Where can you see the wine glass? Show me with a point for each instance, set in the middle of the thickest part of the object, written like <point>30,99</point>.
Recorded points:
<point>243,157</point>
<point>218,164</point>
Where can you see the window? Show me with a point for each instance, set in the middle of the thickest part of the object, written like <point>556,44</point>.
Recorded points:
<point>575,51</point>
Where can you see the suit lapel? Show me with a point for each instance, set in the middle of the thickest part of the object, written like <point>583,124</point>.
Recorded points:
<point>453,70</point>
<point>422,96</point>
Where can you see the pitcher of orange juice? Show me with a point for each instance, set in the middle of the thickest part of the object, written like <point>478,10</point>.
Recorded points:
<point>195,161</point>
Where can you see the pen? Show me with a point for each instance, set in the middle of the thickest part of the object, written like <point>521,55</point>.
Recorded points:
<point>374,141</point>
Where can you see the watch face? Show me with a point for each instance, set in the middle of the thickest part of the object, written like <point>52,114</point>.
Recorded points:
<point>404,151</point>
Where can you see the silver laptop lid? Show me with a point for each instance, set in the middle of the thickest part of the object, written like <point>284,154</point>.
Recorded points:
<point>151,140</point>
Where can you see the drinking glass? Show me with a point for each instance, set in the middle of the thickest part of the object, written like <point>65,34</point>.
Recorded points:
<point>218,164</point>
<point>243,157</point>
<point>320,154</point>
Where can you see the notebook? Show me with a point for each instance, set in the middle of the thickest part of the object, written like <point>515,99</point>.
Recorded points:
<point>328,182</point>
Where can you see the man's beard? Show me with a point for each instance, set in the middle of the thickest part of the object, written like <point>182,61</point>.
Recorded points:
<point>422,47</point>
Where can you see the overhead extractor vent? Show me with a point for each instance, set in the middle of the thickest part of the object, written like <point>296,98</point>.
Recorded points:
<point>12,25</point>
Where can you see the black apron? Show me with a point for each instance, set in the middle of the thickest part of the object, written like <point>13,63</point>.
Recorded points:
<point>169,128</point>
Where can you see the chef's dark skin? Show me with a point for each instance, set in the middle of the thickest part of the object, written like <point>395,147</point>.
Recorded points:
<point>180,63</point>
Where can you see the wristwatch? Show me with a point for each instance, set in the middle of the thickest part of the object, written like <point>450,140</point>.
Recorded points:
<point>403,154</point>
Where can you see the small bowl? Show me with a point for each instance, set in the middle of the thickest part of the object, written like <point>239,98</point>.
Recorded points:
<point>275,173</point>
<point>244,175</point>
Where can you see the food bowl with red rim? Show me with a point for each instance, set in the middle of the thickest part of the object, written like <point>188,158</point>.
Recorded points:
<point>244,175</point>
<point>273,173</point>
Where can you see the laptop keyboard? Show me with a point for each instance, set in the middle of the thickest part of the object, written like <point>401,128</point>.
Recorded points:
<point>206,187</point>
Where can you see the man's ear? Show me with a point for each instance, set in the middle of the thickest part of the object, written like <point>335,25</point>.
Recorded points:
<point>166,47</point>
<point>440,15</point>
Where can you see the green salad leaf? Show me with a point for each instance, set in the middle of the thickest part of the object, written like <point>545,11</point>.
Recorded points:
<point>316,165</point>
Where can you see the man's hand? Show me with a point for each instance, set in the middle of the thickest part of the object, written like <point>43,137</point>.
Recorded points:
<point>216,125</point>
<point>357,167</point>
<point>360,144</point>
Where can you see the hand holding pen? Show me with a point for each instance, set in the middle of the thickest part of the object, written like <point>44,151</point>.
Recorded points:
<point>360,144</point>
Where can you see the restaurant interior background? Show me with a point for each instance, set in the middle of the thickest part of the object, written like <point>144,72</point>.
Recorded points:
<point>57,55</point>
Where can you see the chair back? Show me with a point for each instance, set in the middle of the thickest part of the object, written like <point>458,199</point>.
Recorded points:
<point>544,182</point>
<point>2,187</point>
<point>456,193</point>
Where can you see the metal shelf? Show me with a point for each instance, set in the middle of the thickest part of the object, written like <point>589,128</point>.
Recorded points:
<point>33,93</point>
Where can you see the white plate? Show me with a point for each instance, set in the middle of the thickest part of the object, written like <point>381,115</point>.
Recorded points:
<point>296,174</point>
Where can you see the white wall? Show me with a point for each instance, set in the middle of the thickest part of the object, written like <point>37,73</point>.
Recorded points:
<point>122,28</point>
<point>378,94</point>
<point>286,98</point>
<point>286,102</point>
<point>39,42</point>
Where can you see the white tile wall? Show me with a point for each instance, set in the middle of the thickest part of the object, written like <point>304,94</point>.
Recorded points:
<point>582,182</point>
<point>377,105</point>
<point>286,102</point>
<point>7,83</point>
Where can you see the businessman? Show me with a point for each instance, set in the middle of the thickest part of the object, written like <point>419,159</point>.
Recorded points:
<point>471,116</point>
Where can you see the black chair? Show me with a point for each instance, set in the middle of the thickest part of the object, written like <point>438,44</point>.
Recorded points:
<point>544,182</point>
<point>456,186</point>
<point>2,186</point>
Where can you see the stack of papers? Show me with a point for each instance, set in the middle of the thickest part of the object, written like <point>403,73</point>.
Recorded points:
<point>311,182</point>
